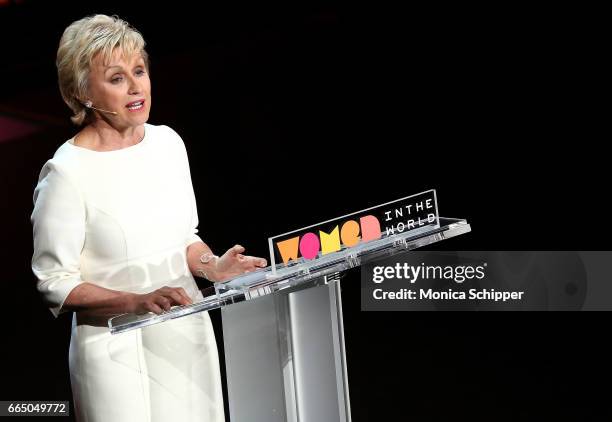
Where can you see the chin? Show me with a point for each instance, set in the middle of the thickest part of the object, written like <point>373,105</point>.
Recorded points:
<point>139,120</point>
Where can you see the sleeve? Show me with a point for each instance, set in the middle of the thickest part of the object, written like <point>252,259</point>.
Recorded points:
<point>58,222</point>
<point>193,232</point>
<point>193,236</point>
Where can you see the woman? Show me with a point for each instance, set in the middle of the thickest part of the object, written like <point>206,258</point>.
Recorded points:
<point>115,231</point>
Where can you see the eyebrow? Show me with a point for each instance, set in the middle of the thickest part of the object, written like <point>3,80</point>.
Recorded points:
<point>107,68</point>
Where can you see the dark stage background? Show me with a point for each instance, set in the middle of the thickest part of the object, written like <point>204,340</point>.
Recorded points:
<point>296,115</point>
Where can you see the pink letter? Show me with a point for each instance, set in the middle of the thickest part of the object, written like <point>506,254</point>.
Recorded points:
<point>370,228</point>
<point>309,246</point>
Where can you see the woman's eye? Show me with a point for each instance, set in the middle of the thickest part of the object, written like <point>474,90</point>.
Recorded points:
<point>140,72</point>
<point>116,80</point>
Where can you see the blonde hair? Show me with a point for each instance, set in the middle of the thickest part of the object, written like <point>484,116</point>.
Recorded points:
<point>81,42</point>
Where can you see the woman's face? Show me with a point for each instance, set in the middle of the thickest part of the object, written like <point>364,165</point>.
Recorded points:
<point>122,86</point>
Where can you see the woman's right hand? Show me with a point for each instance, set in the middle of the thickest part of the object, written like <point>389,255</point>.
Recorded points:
<point>159,300</point>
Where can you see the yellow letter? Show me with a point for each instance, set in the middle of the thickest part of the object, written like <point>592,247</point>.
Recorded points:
<point>329,242</point>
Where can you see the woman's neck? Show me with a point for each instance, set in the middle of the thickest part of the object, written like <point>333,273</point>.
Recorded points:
<point>101,136</point>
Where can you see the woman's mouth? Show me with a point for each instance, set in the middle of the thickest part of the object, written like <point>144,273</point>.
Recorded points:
<point>136,105</point>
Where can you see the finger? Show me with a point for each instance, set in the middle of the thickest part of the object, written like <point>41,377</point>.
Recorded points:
<point>185,295</point>
<point>178,298</point>
<point>258,262</point>
<point>250,267</point>
<point>237,249</point>
<point>152,307</point>
<point>163,302</point>
<point>175,297</point>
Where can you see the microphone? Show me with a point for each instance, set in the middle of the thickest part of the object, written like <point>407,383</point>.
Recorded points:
<point>89,104</point>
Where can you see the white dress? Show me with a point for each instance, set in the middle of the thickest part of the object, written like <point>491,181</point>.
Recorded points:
<point>123,219</point>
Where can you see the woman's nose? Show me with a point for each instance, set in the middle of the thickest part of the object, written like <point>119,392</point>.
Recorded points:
<point>134,87</point>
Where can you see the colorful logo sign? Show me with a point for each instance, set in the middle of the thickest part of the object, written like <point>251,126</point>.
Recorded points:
<point>318,240</point>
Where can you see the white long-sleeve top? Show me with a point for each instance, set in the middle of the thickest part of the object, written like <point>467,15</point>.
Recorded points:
<point>120,219</point>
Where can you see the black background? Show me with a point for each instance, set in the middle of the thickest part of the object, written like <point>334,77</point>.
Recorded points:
<point>294,115</point>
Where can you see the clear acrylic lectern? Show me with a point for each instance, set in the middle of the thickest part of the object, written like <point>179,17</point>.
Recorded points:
<point>283,330</point>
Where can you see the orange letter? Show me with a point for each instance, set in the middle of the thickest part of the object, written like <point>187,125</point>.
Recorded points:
<point>350,233</point>
<point>288,249</point>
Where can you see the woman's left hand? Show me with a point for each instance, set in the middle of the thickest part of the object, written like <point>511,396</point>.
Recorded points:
<point>233,263</point>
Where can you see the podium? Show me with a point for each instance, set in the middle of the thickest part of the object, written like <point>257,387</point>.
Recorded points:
<point>283,330</point>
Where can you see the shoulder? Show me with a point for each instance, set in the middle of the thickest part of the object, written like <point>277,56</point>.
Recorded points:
<point>162,131</point>
<point>169,138</point>
<point>64,163</point>
<point>58,169</point>
<point>58,179</point>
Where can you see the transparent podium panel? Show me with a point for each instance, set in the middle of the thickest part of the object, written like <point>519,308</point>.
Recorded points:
<point>285,355</point>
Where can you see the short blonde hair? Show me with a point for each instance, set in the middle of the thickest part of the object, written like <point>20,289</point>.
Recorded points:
<point>81,42</point>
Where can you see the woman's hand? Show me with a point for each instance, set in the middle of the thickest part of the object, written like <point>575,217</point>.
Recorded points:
<point>233,263</point>
<point>159,300</point>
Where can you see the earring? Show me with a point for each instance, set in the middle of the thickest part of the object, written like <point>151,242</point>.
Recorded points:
<point>88,104</point>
